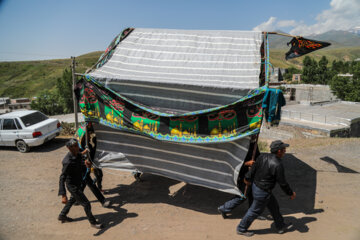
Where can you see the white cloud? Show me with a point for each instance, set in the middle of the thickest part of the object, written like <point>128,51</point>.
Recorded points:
<point>287,23</point>
<point>342,15</point>
<point>269,26</point>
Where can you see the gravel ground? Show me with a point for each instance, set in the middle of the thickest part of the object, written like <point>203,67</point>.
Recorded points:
<point>323,172</point>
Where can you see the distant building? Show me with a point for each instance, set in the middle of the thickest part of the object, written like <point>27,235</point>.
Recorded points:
<point>296,78</point>
<point>277,75</point>
<point>19,103</point>
<point>349,75</point>
<point>9,105</point>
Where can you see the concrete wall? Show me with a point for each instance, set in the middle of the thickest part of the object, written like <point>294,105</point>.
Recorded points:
<point>355,128</point>
<point>307,93</point>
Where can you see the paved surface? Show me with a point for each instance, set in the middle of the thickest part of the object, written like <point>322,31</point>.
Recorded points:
<point>323,172</point>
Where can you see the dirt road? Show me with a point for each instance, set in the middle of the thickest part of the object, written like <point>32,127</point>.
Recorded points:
<point>323,172</point>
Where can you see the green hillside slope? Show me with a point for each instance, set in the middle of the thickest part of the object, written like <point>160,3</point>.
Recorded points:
<point>277,56</point>
<point>28,78</point>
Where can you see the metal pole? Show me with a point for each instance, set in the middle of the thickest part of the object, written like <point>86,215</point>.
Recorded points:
<point>73,92</point>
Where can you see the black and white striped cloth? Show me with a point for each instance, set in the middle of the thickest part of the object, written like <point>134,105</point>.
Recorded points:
<point>212,165</point>
<point>180,71</point>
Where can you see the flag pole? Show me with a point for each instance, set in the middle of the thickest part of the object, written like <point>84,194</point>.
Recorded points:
<point>73,93</point>
<point>282,34</point>
<point>267,60</point>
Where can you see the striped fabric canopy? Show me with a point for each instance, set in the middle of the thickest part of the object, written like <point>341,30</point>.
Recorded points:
<point>178,72</point>
<point>220,59</point>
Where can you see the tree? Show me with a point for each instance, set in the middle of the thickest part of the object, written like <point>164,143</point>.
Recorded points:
<point>323,72</point>
<point>59,101</point>
<point>48,103</point>
<point>310,69</point>
<point>347,88</point>
<point>64,89</point>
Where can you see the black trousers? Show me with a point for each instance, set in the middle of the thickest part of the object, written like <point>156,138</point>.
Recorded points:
<point>98,177</point>
<point>77,195</point>
<point>95,190</point>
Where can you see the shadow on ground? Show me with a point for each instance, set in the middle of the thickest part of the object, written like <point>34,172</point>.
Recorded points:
<point>49,146</point>
<point>340,168</point>
<point>299,224</point>
<point>156,189</point>
<point>112,219</point>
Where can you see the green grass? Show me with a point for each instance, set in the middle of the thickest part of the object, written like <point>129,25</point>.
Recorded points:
<point>277,56</point>
<point>29,78</point>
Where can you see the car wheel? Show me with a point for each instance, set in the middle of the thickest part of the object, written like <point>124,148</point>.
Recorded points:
<point>22,146</point>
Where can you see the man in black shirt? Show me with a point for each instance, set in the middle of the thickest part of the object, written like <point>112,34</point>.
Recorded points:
<point>264,174</point>
<point>72,174</point>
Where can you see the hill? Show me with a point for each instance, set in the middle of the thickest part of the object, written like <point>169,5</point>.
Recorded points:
<point>277,56</point>
<point>28,78</point>
<point>338,39</point>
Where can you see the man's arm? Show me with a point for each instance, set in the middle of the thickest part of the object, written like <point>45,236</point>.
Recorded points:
<point>249,176</point>
<point>62,190</point>
<point>280,178</point>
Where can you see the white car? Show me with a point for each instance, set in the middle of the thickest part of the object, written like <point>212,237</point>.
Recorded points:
<point>28,128</point>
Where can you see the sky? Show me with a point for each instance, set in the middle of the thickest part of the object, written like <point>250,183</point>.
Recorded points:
<point>52,29</point>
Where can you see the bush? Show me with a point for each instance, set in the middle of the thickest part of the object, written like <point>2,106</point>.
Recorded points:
<point>68,129</point>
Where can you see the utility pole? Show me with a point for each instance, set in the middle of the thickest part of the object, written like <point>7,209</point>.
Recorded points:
<point>73,93</point>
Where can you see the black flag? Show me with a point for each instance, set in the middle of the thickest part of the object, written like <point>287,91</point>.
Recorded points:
<point>301,46</point>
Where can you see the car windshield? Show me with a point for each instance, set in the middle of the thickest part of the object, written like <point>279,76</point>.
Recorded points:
<point>33,118</point>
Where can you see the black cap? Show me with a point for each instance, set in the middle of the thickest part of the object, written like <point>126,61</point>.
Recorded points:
<point>71,142</point>
<point>277,145</point>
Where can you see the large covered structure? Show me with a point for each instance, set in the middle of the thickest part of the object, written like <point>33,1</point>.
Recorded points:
<point>177,103</point>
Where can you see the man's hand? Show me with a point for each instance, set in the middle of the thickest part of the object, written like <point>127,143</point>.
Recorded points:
<point>85,151</point>
<point>87,163</point>
<point>247,182</point>
<point>293,196</point>
<point>249,163</point>
<point>64,199</point>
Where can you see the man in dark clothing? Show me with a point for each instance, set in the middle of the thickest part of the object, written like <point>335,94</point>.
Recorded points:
<point>264,174</point>
<point>88,181</point>
<point>72,175</point>
<point>97,170</point>
<point>228,206</point>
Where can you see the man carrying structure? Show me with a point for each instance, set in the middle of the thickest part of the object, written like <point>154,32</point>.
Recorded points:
<point>264,174</point>
<point>72,174</point>
<point>88,181</point>
<point>237,200</point>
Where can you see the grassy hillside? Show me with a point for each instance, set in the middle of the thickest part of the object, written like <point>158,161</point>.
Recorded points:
<point>277,56</point>
<point>28,78</point>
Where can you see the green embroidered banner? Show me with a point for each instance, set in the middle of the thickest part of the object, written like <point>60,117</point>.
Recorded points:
<point>220,124</point>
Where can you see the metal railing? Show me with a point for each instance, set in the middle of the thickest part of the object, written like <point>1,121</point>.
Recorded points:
<point>316,118</point>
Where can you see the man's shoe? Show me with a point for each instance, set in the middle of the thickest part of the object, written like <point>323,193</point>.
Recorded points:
<point>262,218</point>
<point>245,233</point>
<point>223,214</point>
<point>286,227</point>
<point>65,219</point>
<point>97,225</point>
<point>106,204</point>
